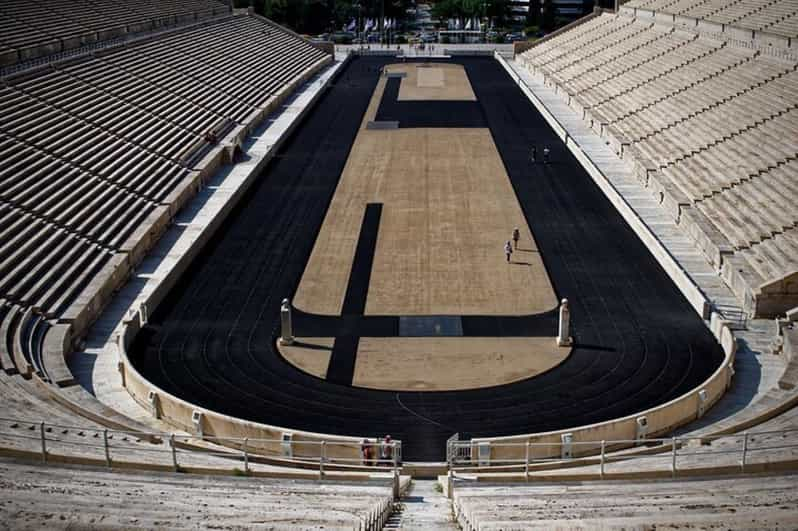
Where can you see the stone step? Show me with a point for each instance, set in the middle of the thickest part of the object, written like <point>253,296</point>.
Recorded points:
<point>424,507</point>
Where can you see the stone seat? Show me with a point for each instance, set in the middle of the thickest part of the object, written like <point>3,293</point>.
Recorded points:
<point>35,277</point>
<point>20,263</point>
<point>75,280</point>
<point>6,316</point>
<point>739,502</point>
<point>287,504</point>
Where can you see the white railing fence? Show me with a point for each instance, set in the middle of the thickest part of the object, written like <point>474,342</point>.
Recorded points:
<point>182,453</point>
<point>664,454</point>
<point>735,315</point>
<point>234,455</point>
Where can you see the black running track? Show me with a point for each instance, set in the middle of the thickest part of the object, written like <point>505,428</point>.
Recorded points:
<point>638,342</point>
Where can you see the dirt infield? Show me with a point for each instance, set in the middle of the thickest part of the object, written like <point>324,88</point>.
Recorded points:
<point>448,208</point>
<point>435,81</point>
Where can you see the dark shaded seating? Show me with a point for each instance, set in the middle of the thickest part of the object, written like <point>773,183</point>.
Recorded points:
<point>100,151</point>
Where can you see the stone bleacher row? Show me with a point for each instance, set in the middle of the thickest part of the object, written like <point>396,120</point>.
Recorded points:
<point>743,501</point>
<point>34,497</point>
<point>728,503</point>
<point>30,29</point>
<point>344,500</point>
<point>711,127</point>
<point>100,152</point>
<point>779,17</point>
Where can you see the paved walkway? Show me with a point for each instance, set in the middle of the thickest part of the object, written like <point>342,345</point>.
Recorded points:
<point>95,367</point>
<point>757,370</point>
<point>424,508</point>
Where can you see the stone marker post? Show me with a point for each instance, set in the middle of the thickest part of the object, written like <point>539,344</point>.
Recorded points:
<point>564,338</point>
<point>287,331</point>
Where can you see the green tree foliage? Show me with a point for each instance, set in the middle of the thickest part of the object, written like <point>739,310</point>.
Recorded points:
<point>533,15</point>
<point>548,21</point>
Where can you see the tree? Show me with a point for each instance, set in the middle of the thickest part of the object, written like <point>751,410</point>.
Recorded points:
<point>548,19</point>
<point>499,12</point>
<point>533,15</point>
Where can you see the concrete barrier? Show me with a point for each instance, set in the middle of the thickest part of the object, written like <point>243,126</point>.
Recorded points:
<point>659,420</point>
<point>56,341</point>
<point>777,296</point>
<point>326,47</point>
<point>263,438</point>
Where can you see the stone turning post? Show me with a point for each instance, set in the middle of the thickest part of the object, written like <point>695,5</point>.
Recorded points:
<point>287,331</point>
<point>564,338</point>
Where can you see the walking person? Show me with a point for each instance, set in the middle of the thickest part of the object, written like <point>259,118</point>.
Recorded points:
<point>545,155</point>
<point>516,237</point>
<point>508,250</point>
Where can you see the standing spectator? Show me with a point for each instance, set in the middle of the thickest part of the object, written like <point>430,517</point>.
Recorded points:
<point>366,451</point>
<point>386,451</point>
<point>508,250</point>
<point>545,155</point>
<point>516,237</point>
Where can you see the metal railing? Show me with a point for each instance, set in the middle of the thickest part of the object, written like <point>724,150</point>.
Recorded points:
<point>123,449</point>
<point>735,315</point>
<point>655,455</point>
<point>182,452</point>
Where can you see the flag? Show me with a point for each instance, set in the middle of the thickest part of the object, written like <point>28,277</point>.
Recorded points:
<point>352,25</point>
<point>468,24</point>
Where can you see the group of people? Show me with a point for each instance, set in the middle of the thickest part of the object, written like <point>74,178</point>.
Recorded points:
<point>508,247</point>
<point>533,155</point>
<point>376,453</point>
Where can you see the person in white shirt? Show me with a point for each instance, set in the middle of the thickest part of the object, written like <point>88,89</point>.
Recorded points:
<point>508,250</point>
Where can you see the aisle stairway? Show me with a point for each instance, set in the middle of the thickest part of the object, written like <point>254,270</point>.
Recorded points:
<point>423,507</point>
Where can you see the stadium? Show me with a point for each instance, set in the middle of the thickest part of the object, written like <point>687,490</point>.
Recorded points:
<point>254,280</point>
